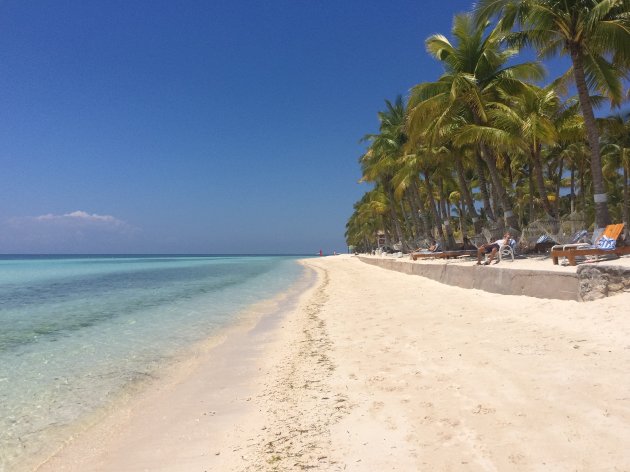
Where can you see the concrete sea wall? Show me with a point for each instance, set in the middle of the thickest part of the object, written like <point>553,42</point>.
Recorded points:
<point>506,281</point>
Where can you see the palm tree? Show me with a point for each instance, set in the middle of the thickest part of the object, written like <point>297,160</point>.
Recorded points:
<point>381,161</point>
<point>527,123</point>
<point>407,185</point>
<point>616,156</point>
<point>367,220</point>
<point>595,34</point>
<point>475,67</point>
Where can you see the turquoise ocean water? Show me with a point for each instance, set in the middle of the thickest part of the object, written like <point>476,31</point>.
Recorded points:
<point>76,331</point>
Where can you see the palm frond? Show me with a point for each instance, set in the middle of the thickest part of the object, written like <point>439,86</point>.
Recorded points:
<point>602,75</point>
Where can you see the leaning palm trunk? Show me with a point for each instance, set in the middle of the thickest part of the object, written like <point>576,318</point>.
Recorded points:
<point>393,216</point>
<point>540,181</point>
<point>407,221</point>
<point>465,192</point>
<point>572,194</point>
<point>460,210</point>
<point>434,209</point>
<point>450,238</point>
<point>422,213</point>
<point>558,185</point>
<point>415,214</point>
<point>532,207</point>
<point>483,187</point>
<point>602,217</point>
<point>490,160</point>
<point>626,201</point>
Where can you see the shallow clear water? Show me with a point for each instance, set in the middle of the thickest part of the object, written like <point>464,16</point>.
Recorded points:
<point>76,331</point>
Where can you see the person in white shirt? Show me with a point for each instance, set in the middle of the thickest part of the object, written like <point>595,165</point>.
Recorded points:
<point>491,249</point>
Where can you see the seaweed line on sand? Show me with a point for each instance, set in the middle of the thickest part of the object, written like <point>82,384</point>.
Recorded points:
<point>299,404</point>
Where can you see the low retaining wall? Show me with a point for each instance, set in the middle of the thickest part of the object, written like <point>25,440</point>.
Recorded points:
<point>506,281</point>
<point>602,281</point>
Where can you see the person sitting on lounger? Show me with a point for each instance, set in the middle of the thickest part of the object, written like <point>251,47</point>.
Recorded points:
<point>434,247</point>
<point>491,249</point>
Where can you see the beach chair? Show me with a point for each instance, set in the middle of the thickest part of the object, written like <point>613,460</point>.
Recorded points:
<point>579,239</point>
<point>427,252</point>
<point>448,254</point>
<point>544,244</point>
<point>506,251</point>
<point>605,244</point>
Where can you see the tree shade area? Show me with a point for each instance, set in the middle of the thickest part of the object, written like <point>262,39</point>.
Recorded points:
<point>493,144</point>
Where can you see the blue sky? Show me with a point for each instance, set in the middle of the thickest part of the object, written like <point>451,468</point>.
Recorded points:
<point>197,126</point>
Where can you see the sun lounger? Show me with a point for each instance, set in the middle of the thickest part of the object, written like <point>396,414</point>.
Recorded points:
<point>603,245</point>
<point>544,244</point>
<point>575,240</point>
<point>506,251</point>
<point>437,249</point>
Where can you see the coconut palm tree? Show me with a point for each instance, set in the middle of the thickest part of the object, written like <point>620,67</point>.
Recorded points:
<point>366,220</point>
<point>475,67</point>
<point>380,162</point>
<point>616,156</point>
<point>529,123</point>
<point>408,186</point>
<point>595,34</point>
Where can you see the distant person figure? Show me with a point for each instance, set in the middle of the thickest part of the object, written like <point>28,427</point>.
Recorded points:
<point>434,247</point>
<point>321,253</point>
<point>467,246</point>
<point>491,249</point>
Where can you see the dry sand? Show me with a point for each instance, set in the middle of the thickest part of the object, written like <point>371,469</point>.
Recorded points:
<point>378,370</point>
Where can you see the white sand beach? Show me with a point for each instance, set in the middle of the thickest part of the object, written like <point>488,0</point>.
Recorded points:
<point>378,370</point>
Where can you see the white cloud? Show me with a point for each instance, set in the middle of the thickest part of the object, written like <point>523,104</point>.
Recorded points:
<point>78,216</point>
<point>76,231</point>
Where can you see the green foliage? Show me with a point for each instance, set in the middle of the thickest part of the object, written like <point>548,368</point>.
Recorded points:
<point>436,153</point>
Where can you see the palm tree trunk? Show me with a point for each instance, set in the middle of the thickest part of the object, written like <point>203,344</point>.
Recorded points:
<point>583,189</point>
<point>602,216</point>
<point>572,194</point>
<point>422,213</point>
<point>406,223</point>
<point>465,192</point>
<point>393,215</point>
<point>415,218</point>
<point>626,201</point>
<point>540,181</point>
<point>494,199</point>
<point>558,185</point>
<point>460,209</point>
<point>432,204</point>
<point>483,187</point>
<point>508,213</point>
<point>450,239</point>
<point>532,208</point>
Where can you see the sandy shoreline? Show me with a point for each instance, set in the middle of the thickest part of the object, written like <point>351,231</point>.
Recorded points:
<point>378,370</point>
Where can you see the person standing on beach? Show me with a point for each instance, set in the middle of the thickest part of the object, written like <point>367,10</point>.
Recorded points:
<point>491,249</point>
